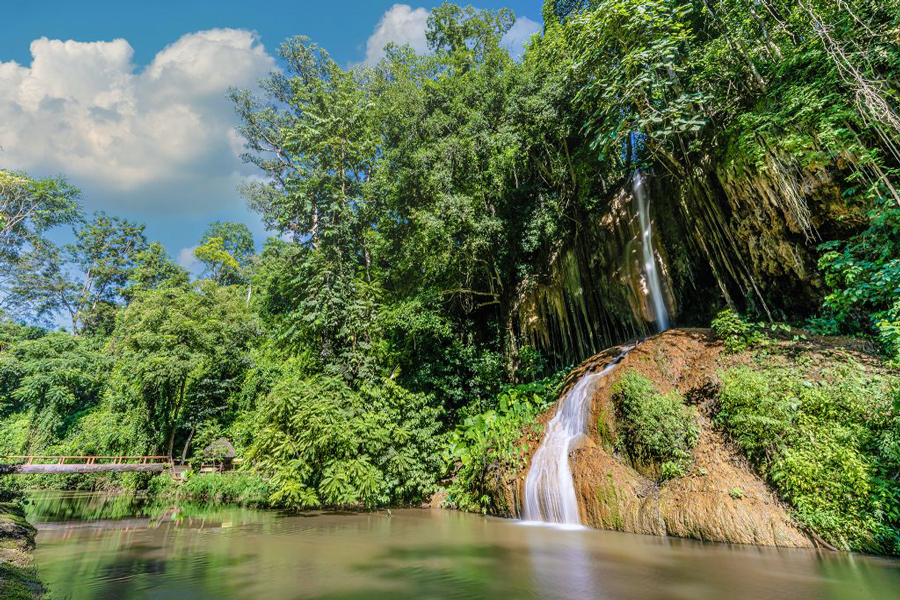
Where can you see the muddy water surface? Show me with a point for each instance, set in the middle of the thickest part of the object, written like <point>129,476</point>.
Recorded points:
<point>104,547</point>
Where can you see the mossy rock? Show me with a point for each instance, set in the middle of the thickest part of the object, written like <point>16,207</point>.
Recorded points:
<point>18,578</point>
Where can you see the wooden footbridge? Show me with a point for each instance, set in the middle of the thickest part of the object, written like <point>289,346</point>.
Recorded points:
<point>36,464</point>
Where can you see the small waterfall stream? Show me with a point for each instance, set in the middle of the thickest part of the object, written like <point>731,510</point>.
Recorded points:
<point>654,283</point>
<point>549,489</point>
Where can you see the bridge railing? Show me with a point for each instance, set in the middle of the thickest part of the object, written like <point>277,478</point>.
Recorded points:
<point>38,459</point>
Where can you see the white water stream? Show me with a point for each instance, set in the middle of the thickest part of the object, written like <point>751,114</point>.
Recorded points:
<point>549,489</point>
<point>654,283</point>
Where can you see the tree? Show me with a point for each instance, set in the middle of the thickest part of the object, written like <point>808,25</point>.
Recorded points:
<point>28,207</point>
<point>182,351</point>
<point>317,152</point>
<point>221,266</point>
<point>395,184</point>
<point>467,35</point>
<point>644,100</point>
<point>226,249</point>
<point>83,278</point>
<point>54,379</point>
<point>327,444</point>
<point>236,240</point>
<point>154,270</point>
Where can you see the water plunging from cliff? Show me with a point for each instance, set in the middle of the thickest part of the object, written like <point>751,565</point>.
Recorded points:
<point>648,255</point>
<point>549,489</point>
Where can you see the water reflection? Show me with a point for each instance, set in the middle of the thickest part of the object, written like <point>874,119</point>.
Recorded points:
<point>562,569</point>
<point>94,546</point>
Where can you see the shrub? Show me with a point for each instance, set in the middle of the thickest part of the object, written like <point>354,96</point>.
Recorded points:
<point>326,444</point>
<point>248,489</point>
<point>757,411</point>
<point>655,427</point>
<point>829,446</point>
<point>736,334</point>
<point>672,469</point>
<point>736,493</point>
<point>863,274</point>
<point>493,439</point>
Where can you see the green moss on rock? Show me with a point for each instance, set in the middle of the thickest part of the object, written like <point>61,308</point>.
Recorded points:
<point>18,578</point>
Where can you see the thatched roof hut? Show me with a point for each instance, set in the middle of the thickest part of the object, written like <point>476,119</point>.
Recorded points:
<point>220,450</point>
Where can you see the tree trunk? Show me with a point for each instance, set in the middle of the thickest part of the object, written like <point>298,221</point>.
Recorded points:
<point>69,469</point>
<point>187,444</point>
<point>175,418</point>
<point>368,263</point>
<point>314,234</point>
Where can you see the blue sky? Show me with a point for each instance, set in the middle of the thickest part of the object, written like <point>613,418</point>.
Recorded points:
<point>128,99</point>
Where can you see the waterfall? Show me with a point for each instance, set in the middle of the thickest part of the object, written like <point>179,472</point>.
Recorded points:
<point>549,489</point>
<point>654,284</point>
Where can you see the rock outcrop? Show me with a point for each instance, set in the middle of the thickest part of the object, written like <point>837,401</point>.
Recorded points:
<point>719,499</point>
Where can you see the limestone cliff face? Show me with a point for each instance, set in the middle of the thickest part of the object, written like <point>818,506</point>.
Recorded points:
<point>594,293</point>
<point>735,234</point>
<point>615,494</point>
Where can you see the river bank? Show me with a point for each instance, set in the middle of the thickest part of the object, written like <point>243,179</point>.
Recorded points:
<point>18,576</point>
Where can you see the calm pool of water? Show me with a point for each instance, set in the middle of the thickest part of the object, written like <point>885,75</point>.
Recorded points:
<point>96,546</point>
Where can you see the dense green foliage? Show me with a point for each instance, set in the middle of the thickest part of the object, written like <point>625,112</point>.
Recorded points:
<point>327,444</point>
<point>736,333</point>
<point>830,445</point>
<point>486,446</point>
<point>655,428</point>
<point>864,274</point>
<point>242,489</point>
<point>373,345</point>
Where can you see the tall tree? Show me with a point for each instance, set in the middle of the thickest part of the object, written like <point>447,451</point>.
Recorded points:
<point>226,249</point>
<point>317,151</point>
<point>181,351</point>
<point>28,207</point>
<point>236,240</point>
<point>83,278</point>
<point>154,269</point>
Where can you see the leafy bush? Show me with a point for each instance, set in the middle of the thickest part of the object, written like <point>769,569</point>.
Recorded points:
<point>325,444</point>
<point>672,469</point>
<point>53,378</point>
<point>757,411</point>
<point>864,276</point>
<point>736,333</point>
<point>10,489</point>
<point>491,442</point>
<point>655,427</point>
<point>245,489</point>
<point>828,445</point>
<point>15,432</point>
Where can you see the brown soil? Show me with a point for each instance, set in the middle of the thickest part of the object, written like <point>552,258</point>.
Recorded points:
<point>721,498</point>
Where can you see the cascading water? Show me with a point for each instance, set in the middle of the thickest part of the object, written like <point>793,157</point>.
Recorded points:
<point>549,489</point>
<point>654,284</point>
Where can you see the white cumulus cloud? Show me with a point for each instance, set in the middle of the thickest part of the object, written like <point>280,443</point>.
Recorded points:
<point>188,260</point>
<point>518,34</point>
<point>86,110</point>
<point>400,24</point>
